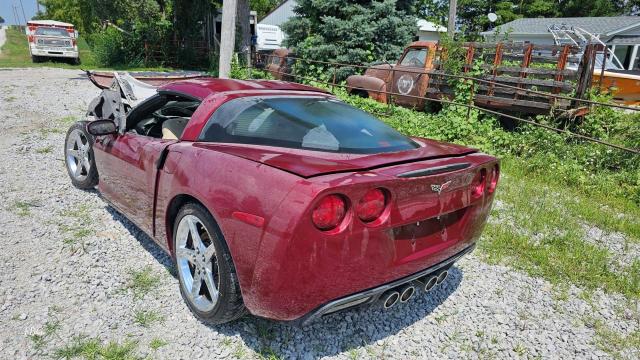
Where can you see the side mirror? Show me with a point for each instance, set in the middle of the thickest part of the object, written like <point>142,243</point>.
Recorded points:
<point>102,127</point>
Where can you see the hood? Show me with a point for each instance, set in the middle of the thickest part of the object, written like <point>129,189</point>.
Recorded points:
<point>307,163</point>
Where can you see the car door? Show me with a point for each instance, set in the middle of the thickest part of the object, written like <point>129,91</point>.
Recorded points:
<point>408,77</point>
<point>127,165</point>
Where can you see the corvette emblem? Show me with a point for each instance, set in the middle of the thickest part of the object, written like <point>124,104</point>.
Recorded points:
<point>438,188</point>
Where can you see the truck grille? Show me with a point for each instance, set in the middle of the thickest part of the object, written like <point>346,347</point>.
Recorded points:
<point>54,42</point>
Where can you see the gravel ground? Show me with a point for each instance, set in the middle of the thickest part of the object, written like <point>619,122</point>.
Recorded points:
<point>68,259</point>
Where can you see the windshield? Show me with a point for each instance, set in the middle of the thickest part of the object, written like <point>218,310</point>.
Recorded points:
<point>415,57</point>
<point>49,31</point>
<point>312,123</point>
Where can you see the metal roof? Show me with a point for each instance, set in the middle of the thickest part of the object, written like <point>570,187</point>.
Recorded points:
<point>280,14</point>
<point>49,23</point>
<point>596,25</point>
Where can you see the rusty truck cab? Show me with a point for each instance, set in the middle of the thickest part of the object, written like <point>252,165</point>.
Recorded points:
<point>409,76</point>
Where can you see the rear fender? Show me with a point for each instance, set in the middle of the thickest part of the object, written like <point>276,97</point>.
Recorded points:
<point>373,87</point>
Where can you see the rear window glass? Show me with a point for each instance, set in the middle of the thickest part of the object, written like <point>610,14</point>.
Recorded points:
<point>46,31</point>
<point>312,123</point>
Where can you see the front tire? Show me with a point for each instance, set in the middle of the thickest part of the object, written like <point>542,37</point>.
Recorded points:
<point>78,157</point>
<point>208,279</point>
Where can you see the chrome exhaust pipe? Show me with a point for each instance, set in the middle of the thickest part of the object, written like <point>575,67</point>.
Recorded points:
<point>442,276</point>
<point>389,298</point>
<point>407,292</point>
<point>430,282</point>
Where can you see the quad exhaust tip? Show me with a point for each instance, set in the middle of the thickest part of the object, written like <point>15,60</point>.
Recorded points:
<point>390,298</point>
<point>407,293</point>
<point>430,282</point>
<point>442,276</point>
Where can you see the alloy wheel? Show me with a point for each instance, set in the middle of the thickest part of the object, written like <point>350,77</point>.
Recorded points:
<point>197,263</point>
<point>78,155</point>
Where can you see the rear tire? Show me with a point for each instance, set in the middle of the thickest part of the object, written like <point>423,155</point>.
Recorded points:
<point>204,262</point>
<point>78,157</point>
<point>36,59</point>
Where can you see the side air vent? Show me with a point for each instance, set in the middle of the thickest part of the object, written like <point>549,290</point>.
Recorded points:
<point>434,170</point>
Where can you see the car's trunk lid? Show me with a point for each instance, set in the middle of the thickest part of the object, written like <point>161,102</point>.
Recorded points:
<point>308,163</point>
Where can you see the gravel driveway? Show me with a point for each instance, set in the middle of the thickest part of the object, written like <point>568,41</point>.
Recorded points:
<point>72,266</point>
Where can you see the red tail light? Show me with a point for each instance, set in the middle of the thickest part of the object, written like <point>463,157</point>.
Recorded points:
<point>493,179</point>
<point>478,184</point>
<point>329,212</point>
<point>30,38</point>
<point>73,41</point>
<point>372,204</point>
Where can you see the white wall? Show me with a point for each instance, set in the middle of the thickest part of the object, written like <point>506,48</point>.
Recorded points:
<point>428,36</point>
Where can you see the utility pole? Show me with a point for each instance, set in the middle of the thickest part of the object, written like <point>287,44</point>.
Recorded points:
<point>16,18</point>
<point>451,25</point>
<point>227,37</point>
<point>23,15</point>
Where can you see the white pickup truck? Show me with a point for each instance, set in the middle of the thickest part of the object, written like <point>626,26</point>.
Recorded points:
<point>49,38</point>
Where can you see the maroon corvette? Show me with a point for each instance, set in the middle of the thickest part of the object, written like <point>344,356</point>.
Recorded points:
<point>278,199</point>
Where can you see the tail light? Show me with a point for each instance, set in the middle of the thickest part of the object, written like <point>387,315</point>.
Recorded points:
<point>372,204</point>
<point>329,212</point>
<point>30,38</point>
<point>74,42</point>
<point>493,179</point>
<point>479,183</point>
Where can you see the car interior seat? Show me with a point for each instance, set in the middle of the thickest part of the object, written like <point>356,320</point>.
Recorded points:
<point>172,128</point>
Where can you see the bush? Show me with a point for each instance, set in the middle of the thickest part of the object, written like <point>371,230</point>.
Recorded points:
<point>108,47</point>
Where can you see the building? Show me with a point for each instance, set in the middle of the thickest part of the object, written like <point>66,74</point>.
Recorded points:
<point>280,14</point>
<point>428,31</point>
<point>620,33</point>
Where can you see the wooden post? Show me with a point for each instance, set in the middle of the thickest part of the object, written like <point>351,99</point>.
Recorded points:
<point>451,25</point>
<point>227,38</point>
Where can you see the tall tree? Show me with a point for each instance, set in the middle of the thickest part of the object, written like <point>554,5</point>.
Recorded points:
<point>351,32</point>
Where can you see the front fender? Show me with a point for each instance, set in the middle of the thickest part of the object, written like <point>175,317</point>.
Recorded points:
<point>375,88</point>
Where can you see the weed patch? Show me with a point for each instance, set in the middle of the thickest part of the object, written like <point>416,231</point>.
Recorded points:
<point>142,282</point>
<point>147,318</point>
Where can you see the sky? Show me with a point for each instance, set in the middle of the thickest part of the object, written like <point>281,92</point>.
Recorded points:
<point>7,13</point>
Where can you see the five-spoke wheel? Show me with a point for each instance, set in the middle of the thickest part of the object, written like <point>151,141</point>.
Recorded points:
<point>197,264</point>
<point>208,279</point>
<point>78,156</point>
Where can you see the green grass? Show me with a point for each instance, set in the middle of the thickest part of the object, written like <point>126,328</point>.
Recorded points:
<point>147,318</point>
<point>157,343</point>
<point>45,150</point>
<point>77,233</point>
<point>142,282</point>
<point>541,233</point>
<point>92,348</point>
<point>22,208</point>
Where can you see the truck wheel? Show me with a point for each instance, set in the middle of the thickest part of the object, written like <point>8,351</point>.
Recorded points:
<point>36,59</point>
<point>208,280</point>
<point>76,61</point>
<point>78,157</point>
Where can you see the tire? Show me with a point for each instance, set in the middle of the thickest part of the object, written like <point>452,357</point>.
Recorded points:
<point>36,59</point>
<point>228,305</point>
<point>76,61</point>
<point>78,157</point>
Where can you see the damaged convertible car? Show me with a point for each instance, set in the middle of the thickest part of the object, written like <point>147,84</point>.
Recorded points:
<point>278,199</point>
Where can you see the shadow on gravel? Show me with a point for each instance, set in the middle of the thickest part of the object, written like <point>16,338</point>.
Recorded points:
<point>147,243</point>
<point>340,332</point>
<point>328,336</point>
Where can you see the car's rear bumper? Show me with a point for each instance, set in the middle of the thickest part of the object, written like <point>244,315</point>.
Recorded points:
<point>371,296</point>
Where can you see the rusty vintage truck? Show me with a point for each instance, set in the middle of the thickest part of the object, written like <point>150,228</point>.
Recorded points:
<point>419,75</point>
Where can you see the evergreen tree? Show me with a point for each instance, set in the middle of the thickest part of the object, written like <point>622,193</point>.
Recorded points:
<point>350,32</point>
